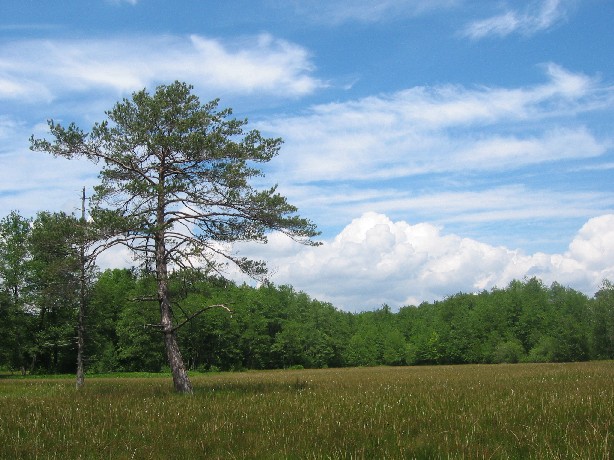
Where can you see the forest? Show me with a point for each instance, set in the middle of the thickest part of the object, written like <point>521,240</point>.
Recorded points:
<point>269,326</point>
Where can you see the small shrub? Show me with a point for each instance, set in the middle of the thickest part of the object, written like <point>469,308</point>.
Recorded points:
<point>510,351</point>
<point>544,352</point>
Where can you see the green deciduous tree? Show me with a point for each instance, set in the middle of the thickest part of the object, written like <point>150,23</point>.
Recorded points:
<point>602,323</point>
<point>54,273</point>
<point>176,187</point>
<point>111,293</point>
<point>14,321</point>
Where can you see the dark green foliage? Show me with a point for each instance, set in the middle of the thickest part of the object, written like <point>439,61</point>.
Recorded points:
<point>54,285</point>
<point>39,296</point>
<point>110,295</point>
<point>508,351</point>
<point>15,323</point>
<point>601,322</point>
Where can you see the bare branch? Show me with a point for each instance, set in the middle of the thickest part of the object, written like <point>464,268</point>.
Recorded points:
<point>144,298</point>
<point>199,312</point>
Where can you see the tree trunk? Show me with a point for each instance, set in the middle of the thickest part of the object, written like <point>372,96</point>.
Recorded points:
<point>82,302</point>
<point>80,349</point>
<point>181,380</point>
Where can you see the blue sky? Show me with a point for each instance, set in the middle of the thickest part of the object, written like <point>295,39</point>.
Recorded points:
<point>440,145</point>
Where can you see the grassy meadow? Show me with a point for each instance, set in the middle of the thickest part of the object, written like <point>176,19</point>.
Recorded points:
<point>517,411</point>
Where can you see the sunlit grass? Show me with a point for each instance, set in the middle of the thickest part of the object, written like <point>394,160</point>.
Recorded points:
<point>504,411</point>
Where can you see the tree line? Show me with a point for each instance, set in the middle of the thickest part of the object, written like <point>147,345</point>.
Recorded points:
<point>269,326</point>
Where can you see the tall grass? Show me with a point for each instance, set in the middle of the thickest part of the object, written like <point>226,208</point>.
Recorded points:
<point>500,411</point>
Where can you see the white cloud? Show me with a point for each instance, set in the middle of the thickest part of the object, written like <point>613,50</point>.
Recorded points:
<point>446,128</point>
<point>449,155</point>
<point>494,204</point>
<point>498,153</point>
<point>33,182</point>
<point>457,207</point>
<point>7,127</point>
<point>596,167</point>
<point>116,257</point>
<point>340,11</point>
<point>41,69</point>
<point>261,64</point>
<point>119,2</point>
<point>593,246</point>
<point>375,260</point>
<point>537,17</point>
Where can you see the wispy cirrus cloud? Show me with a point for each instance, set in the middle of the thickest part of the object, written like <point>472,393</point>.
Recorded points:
<point>458,207</point>
<point>119,2</point>
<point>336,12</point>
<point>444,129</point>
<point>83,77</point>
<point>536,17</point>
<point>44,69</point>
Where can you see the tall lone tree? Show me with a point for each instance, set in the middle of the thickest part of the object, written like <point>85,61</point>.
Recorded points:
<point>175,188</point>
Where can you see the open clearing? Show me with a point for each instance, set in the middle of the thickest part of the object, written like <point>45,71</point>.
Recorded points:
<point>474,411</point>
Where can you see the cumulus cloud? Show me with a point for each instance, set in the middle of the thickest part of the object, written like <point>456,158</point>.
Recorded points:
<point>593,246</point>
<point>537,17</point>
<point>43,69</point>
<point>375,260</point>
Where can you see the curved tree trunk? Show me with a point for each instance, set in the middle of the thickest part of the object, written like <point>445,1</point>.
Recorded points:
<point>181,380</point>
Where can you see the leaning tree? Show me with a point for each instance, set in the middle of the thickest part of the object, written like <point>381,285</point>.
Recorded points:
<point>177,189</point>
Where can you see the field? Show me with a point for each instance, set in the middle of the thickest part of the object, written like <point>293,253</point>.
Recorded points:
<point>518,411</point>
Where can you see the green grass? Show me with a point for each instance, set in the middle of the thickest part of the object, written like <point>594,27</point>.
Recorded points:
<point>519,411</point>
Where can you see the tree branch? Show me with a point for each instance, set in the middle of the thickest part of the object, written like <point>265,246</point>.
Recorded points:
<point>199,312</point>
<point>145,298</point>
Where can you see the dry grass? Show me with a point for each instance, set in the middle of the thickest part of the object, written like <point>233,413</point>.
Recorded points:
<point>500,411</point>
